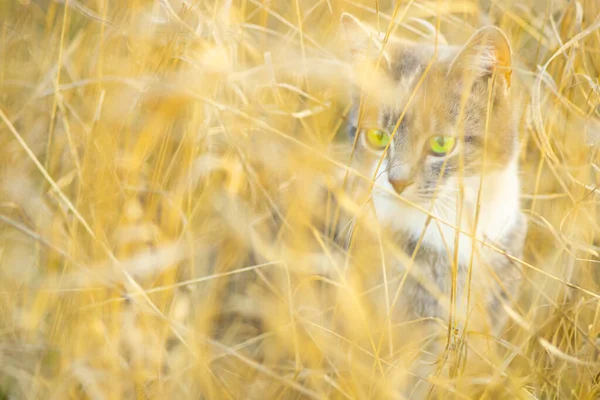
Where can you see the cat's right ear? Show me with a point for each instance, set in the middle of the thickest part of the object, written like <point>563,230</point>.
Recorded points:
<point>364,43</point>
<point>488,49</point>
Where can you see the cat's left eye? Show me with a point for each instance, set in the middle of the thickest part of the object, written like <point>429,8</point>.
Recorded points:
<point>377,138</point>
<point>441,145</point>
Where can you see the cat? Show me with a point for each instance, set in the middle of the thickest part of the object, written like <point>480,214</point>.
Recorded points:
<point>419,121</point>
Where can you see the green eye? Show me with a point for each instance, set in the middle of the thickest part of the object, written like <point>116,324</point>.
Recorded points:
<point>378,138</point>
<point>442,145</point>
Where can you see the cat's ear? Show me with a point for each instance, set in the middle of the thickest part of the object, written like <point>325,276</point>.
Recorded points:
<point>486,51</point>
<point>363,42</point>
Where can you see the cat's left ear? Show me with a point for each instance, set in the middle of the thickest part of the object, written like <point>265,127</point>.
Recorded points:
<point>364,43</point>
<point>486,51</point>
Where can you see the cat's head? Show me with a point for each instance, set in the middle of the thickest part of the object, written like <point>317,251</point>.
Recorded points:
<point>424,113</point>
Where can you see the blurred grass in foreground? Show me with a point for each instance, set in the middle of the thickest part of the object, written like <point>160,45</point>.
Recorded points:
<point>171,174</point>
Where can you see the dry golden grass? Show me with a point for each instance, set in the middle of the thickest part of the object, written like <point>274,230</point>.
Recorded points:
<point>167,177</point>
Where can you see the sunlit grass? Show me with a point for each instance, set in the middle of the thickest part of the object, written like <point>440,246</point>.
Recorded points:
<point>173,175</point>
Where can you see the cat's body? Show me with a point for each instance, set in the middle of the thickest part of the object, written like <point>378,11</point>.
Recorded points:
<point>472,171</point>
<point>501,224</point>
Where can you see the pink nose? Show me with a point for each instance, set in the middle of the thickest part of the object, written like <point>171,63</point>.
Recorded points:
<point>400,184</point>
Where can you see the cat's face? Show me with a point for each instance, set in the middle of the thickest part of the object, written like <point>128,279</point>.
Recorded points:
<point>429,128</point>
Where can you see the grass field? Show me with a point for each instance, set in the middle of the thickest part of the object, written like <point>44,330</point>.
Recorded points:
<point>172,176</point>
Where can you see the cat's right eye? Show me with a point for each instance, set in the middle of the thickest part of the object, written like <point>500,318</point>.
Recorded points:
<point>441,145</point>
<point>378,139</point>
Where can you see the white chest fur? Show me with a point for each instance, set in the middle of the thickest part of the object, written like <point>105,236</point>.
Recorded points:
<point>499,210</point>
